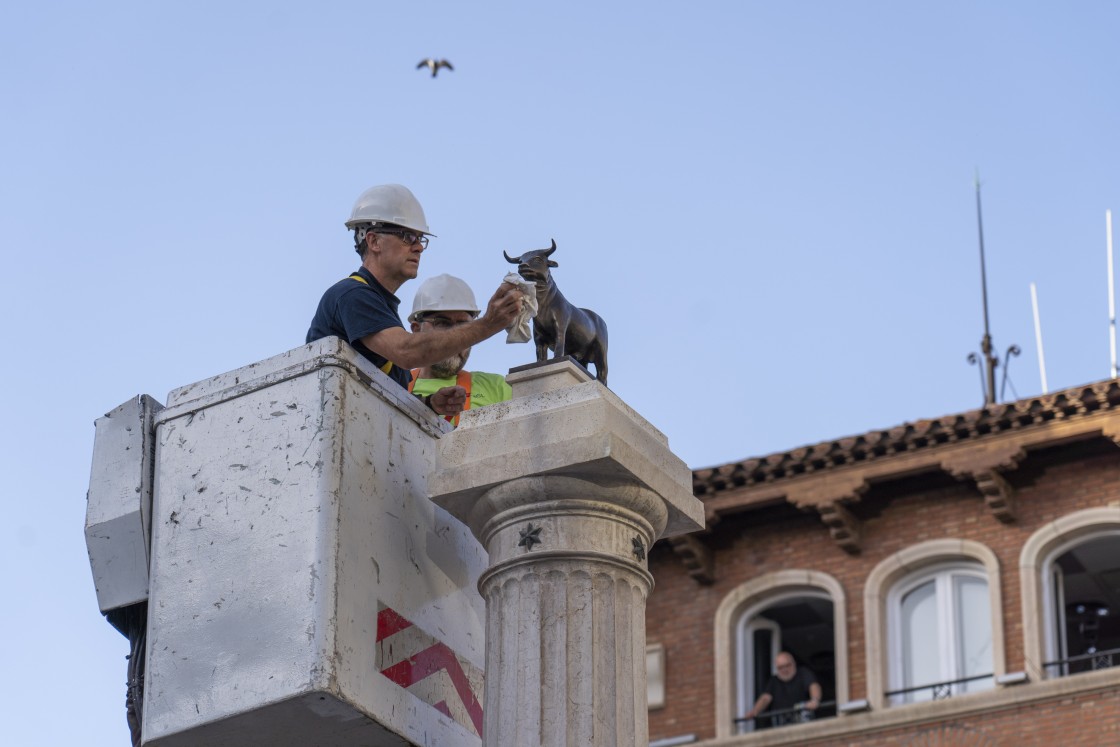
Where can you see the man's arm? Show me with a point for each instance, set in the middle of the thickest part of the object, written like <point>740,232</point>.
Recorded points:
<point>759,705</point>
<point>417,350</point>
<point>814,696</point>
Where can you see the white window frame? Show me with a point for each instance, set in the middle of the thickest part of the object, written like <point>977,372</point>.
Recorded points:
<point>943,576</point>
<point>899,566</point>
<point>753,619</point>
<point>759,593</point>
<point>1053,596</point>
<point>1067,531</point>
<point>744,662</point>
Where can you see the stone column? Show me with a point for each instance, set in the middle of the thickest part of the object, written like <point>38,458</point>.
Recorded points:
<point>567,488</point>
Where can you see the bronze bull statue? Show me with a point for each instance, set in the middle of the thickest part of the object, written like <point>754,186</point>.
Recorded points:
<point>559,326</point>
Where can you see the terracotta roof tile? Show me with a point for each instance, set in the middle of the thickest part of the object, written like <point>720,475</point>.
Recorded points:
<point>1031,412</point>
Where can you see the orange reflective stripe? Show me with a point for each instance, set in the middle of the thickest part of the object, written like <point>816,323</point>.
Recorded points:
<point>463,380</point>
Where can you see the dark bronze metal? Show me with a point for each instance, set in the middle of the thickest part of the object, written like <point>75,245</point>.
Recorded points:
<point>559,326</point>
<point>990,361</point>
<point>988,374</point>
<point>1014,350</point>
<point>530,536</point>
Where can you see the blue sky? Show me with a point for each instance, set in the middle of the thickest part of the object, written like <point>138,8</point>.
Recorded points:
<point>771,204</point>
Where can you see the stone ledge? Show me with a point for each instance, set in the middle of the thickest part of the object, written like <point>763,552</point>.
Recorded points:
<point>918,714</point>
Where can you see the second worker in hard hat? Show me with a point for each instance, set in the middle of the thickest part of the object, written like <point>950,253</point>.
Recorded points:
<point>445,302</point>
<point>390,235</point>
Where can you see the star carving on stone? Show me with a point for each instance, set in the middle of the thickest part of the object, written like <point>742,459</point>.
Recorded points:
<point>530,536</point>
<point>639,548</point>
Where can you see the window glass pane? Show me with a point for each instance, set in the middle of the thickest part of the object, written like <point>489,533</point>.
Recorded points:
<point>921,645</point>
<point>973,619</point>
<point>763,656</point>
<point>1086,592</point>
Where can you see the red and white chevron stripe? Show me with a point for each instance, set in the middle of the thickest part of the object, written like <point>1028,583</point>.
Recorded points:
<point>429,669</point>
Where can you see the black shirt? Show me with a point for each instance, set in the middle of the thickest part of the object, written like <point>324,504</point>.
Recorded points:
<point>352,309</point>
<point>788,694</point>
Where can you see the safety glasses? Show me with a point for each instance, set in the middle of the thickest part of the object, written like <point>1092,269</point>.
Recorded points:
<point>408,237</point>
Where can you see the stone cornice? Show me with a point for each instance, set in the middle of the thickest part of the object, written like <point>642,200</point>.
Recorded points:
<point>979,446</point>
<point>695,556</point>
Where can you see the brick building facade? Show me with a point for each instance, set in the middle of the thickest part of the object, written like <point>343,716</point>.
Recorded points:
<point>951,582</point>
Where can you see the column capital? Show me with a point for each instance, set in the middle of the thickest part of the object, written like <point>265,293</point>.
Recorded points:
<point>561,423</point>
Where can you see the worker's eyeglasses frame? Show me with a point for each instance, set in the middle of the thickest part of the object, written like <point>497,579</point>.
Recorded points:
<point>439,322</point>
<point>408,237</point>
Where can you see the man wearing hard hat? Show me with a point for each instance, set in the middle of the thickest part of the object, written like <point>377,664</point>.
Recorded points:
<point>445,302</point>
<point>390,234</point>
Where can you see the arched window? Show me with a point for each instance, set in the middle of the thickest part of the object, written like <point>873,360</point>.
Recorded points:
<point>794,609</point>
<point>940,628</point>
<point>1081,608</point>
<point>933,610</point>
<point>799,622</point>
<point>1066,569</point>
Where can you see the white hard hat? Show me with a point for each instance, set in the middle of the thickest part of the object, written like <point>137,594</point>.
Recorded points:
<point>389,203</point>
<point>443,293</point>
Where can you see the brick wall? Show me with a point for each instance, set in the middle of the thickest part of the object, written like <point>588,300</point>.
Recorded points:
<point>1091,720</point>
<point>681,612</point>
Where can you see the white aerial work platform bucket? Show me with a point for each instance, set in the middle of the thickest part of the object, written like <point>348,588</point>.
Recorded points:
<point>303,588</point>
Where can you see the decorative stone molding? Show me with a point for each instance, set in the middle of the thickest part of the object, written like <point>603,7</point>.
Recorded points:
<point>696,557</point>
<point>985,466</point>
<point>1035,554</point>
<point>896,567</point>
<point>1111,430</point>
<point>845,528</point>
<point>826,497</point>
<point>999,496</point>
<point>848,486</point>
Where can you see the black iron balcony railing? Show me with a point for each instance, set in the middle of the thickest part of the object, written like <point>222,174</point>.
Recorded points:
<point>798,714</point>
<point>1090,662</point>
<point>937,690</point>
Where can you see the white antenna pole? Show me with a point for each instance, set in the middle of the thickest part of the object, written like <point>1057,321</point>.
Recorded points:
<point>1038,340</point>
<point>1111,296</point>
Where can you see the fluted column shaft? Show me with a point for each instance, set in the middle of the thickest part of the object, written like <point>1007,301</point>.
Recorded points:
<point>566,487</point>
<point>565,604</point>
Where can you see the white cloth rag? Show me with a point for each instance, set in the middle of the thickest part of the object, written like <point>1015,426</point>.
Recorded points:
<point>519,331</point>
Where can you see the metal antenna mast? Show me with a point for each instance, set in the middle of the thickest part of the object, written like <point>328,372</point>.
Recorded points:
<point>988,377</point>
<point>1111,295</point>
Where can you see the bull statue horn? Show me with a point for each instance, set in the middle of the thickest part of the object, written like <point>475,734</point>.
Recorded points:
<point>548,252</point>
<point>510,259</point>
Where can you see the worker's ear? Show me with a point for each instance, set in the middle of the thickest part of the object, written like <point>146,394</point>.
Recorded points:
<point>371,239</point>
<point>415,326</point>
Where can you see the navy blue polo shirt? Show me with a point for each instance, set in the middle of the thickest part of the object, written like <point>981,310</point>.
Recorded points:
<point>351,309</point>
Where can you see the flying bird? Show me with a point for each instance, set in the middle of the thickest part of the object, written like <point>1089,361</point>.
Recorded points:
<point>434,65</point>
